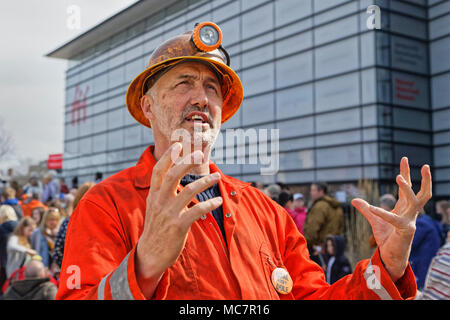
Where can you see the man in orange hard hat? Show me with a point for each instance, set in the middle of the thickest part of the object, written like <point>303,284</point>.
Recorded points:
<point>175,227</point>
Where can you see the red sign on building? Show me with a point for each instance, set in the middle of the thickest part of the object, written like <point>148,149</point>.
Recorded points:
<point>79,105</point>
<point>55,161</point>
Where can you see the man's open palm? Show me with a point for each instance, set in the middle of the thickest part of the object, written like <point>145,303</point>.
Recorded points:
<point>394,230</point>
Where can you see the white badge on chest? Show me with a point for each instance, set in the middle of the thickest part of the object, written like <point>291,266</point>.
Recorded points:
<point>281,280</point>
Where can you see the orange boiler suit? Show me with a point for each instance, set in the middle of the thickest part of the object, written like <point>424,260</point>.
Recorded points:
<point>260,235</point>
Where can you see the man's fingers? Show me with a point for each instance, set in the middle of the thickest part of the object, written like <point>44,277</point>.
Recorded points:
<point>387,216</point>
<point>192,189</point>
<point>362,206</point>
<point>194,213</point>
<point>163,165</point>
<point>179,170</point>
<point>426,187</point>
<point>405,187</point>
<point>206,152</point>
<point>405,171</point>
<point>411,203</point>
<point>369,211</point>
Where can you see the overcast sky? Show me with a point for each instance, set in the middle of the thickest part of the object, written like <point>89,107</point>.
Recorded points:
<point>31,85</point>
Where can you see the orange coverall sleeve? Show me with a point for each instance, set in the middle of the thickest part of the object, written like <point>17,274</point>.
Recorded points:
<point>94,235</point>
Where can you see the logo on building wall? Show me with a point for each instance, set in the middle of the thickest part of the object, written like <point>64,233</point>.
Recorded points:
<point>79,105</point>
<point>406,89</point>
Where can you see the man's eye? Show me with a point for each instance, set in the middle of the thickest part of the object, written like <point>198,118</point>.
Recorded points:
<point>212,88</point>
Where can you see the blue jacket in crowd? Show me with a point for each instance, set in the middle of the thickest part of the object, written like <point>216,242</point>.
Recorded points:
<point>426,243</point>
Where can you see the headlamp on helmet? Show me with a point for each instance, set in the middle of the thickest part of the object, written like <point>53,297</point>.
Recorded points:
<point>207,36</point>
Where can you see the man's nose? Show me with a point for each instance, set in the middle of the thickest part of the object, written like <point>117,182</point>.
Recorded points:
<point>199,97</point>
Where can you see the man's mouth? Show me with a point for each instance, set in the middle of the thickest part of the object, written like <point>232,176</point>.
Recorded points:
<point>197,118</point>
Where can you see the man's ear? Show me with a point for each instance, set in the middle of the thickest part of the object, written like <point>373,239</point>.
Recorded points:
<point>147,103</point>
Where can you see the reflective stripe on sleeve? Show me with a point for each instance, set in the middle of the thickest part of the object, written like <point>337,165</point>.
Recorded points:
<point>101,288</point>
<point>120,288</point>
<point>373,276</point>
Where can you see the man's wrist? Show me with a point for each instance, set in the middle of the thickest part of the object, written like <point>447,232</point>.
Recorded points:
<point>147,274</point>
<point>394,273</point>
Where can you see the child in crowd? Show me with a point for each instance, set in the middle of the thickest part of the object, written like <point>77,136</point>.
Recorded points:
<point>336,263</point>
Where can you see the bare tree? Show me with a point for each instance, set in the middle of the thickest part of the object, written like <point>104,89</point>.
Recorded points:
<point>6,142</point>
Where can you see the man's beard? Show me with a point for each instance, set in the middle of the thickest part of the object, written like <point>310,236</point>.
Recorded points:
<point>196,135</point>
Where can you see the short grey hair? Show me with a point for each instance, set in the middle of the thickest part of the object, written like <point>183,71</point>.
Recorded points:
<point>35,269</point>
<point>388,200</point>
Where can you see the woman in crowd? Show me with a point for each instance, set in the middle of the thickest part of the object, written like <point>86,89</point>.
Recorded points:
<point>8,222</point>
<point>37,214</point>
<point>43,238</point>
<point>19,249</point>
<point>59,243</point>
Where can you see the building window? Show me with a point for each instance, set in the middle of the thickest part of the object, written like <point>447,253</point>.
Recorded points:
<point>257,21</point>
<point>338,92</point>
<point>295,101</point>
<point>337,58</point>
<point>295,69</point>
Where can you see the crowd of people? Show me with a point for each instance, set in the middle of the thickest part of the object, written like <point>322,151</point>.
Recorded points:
<point>34,219</point>
<point>321,221</point>
<point>33,224</point>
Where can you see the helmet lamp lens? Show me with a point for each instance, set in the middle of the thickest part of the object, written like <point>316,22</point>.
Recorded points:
<point>209,35</point>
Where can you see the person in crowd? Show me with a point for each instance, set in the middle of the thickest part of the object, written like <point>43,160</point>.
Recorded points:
<point>14,184</point>
<point>9,198</point>
<point>18,248</point>
<point>58,204</point>
<point>284,187</point>
<point>64,187</point>
<point>30,203</point>
<point>447,216</point>
<point>273,191</point>
<point>257,184</point>
<point>37,214</point>
<point>68,204</point>
<point>98,177</point>
<point>8,178</point>
<point>426,243</point>
<point>49,192</point>
<point>34,186</point>
<point>75,182</point>
<point>35,286</point>
<point>298,212</point>
<point>337,264</point>
<point>443,210</point>
<point>437,282</point>
<point>387,202</point>
<point>285,200</point>
<point>325,217</point>
<point>58,252</point>
<point>52,188</point>
<point>43,238</point>
<point>8,222</point>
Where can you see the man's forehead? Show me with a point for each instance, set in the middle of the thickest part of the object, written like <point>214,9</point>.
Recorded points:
<point>194,68</point>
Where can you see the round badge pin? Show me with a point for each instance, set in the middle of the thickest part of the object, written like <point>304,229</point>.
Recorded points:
<point>281,280</point>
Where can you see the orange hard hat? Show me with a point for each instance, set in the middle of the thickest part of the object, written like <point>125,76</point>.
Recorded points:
<point>203,44</point>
